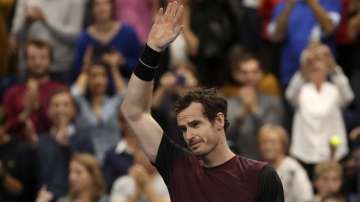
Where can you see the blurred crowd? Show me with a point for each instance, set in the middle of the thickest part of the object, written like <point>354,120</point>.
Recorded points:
<point>290,70</point>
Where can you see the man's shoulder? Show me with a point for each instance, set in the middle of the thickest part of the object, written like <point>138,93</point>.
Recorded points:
<point>55,84</point>
<point>15,89</point>
<point>251,165</point>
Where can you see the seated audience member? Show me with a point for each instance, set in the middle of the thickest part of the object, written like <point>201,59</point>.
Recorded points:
<point>249,108</point>
<point>58,22</point>
<point>105,34</point>
<point>318,103</point>
<point>143,183</point>
<point>98,112</point>
<point>27,102</point>
<point>17,168</point>
<point>55,148</point>
<point>273,145</point>
<point>327,179</point>
<point>86,182</point>
<point>119,158</point>
<point>253,74</point>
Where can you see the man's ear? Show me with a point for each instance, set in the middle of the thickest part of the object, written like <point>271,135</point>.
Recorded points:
<point>220,120</point>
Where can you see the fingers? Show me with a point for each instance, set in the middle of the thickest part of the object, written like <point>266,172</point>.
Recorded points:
<point>173,9</point>
<point>168,10</point>
<point>179,14</point>
<point>159,15</point>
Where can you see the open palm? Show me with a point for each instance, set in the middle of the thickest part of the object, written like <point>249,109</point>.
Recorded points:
<point>167,26</point>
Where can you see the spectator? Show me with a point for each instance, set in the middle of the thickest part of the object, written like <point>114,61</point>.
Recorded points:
<point>55,147</point>
<point>86,182</point>
<point>27,102</point>
<point>318,104</point>
<point>136,13</point>
<point>253,75</point>
<point>328,179</point>
<point>295,23</point>
<point>249,109</point>
<point>120,158</point>
<point>5,7</point>
<point>273,145</point>
<point>143,183</point>
<point>105,34</point>
<point>98,112</point>
<point>58,22</point>
<point>17,168</point>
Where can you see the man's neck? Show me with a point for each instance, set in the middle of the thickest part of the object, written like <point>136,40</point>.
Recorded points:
<point>42,79</point>
<point>218,156</point>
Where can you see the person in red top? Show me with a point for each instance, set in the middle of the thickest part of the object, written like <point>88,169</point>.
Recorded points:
<point>205,170</point>
<point>26,103</point>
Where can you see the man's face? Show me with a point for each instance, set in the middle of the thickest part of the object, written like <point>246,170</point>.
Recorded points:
<point>248,72</point>
<point>328,183</point>
<point>200,134</point>
<point>37,61</point>
<point>61,109</point>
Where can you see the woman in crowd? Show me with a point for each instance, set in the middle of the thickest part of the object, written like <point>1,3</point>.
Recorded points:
<point>97,110</point>
<point>86,183</point>
<point>106,34</point>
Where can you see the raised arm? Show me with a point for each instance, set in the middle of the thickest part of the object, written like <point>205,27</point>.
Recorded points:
<point>278,28</point>
<point>137,102</point>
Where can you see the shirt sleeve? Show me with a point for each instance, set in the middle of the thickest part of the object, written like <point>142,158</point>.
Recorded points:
<point>270,186</point>
<point>167,153</point>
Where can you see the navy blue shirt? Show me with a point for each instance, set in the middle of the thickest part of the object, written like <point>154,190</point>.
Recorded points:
<point>54,161</point>
<point>125,42</point>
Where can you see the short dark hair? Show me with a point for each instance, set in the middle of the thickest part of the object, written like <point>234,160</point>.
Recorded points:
<point>40,44</point>
<point>212,103</point>
<point>240,56</point>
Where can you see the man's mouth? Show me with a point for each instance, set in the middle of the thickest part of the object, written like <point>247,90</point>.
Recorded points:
<point>194,144</point>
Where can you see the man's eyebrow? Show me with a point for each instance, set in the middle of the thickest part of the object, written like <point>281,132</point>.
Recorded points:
<point>194,122</point>
<point>182,127</point>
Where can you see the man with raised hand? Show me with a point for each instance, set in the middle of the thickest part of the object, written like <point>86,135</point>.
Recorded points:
<point>207,170</point>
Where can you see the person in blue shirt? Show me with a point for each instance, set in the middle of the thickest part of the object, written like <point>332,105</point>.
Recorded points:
<point>105,34</point>
<point>297,22</point>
